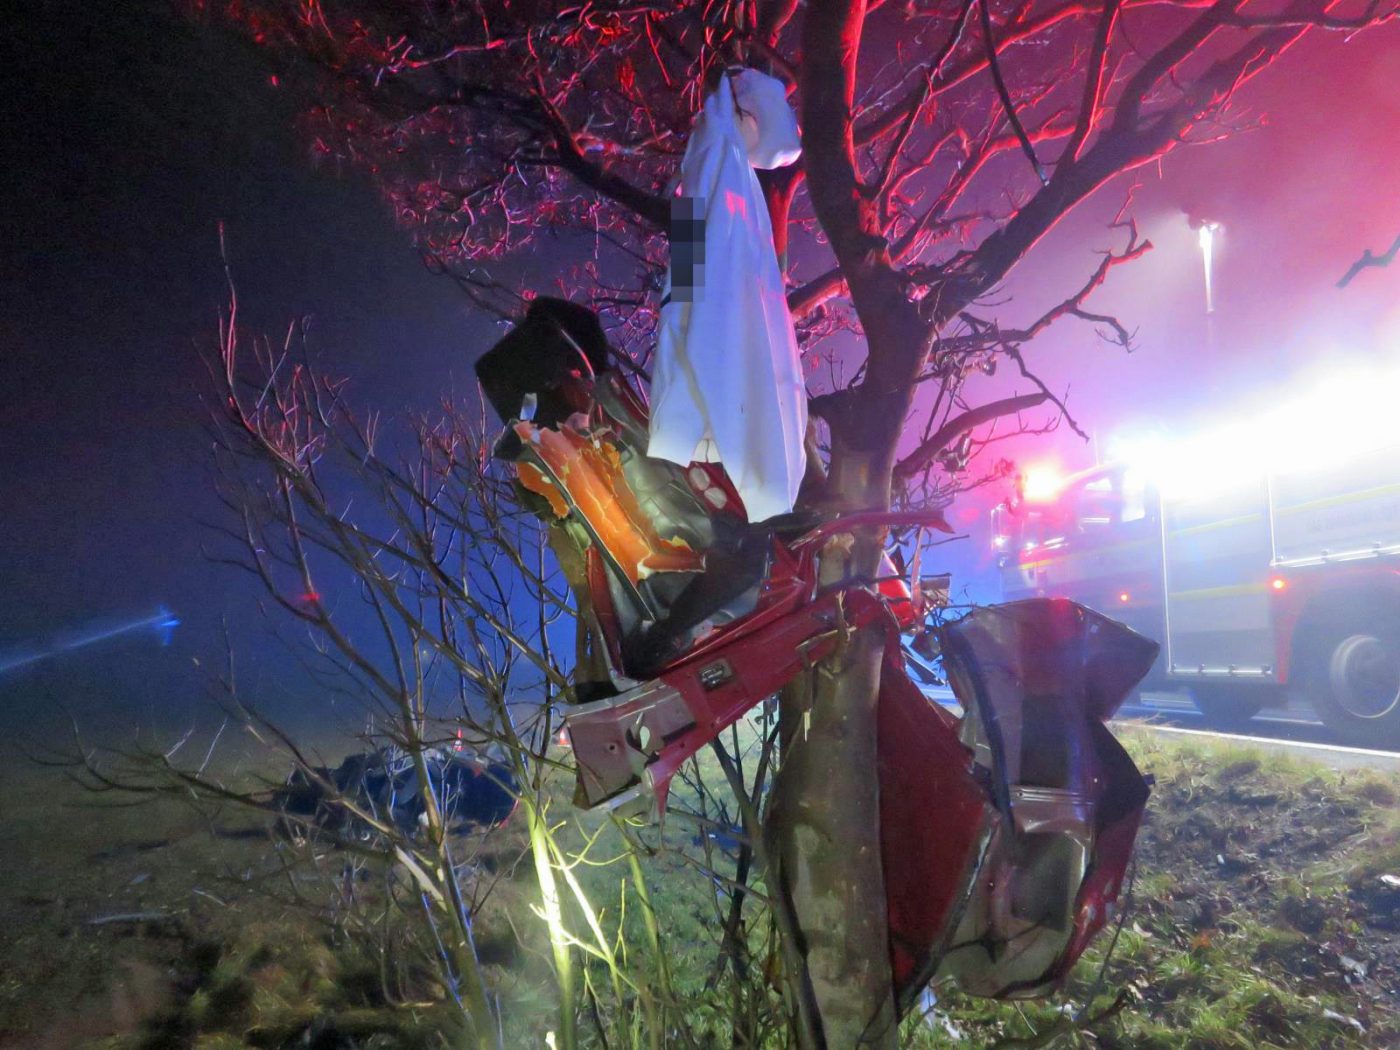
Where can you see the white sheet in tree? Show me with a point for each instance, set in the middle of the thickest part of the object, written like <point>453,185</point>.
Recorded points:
<point>727,382</point>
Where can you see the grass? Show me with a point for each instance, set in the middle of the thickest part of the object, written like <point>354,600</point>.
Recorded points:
<point>1254,914</point>
<point>1260,920</point>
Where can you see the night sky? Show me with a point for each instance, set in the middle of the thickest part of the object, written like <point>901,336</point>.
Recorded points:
<point>126,140</point>
<point>128,137</point>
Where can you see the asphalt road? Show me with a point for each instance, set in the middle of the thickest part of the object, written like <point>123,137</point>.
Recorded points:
<point>1294,721</point>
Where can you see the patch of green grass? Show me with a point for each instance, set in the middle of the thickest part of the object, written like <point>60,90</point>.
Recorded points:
<point>1244,954</point>
<point>1238,974</point>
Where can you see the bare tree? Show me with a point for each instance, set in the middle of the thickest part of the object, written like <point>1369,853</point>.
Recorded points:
<point>943,139</point>
<point>425,588</point>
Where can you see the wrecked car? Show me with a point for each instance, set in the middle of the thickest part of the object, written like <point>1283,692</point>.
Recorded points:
<point>1006,829</point>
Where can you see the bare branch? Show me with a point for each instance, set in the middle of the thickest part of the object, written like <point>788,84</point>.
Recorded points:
<point>1074,305</point>
<point>807,297</point>
<point>650,207</point>
<point>1371,15</point>
<point>1007,105</point>
<point>955,428</point>
<point>1093,79</point>
<point>1369,259</point>
<point>1131,140</point>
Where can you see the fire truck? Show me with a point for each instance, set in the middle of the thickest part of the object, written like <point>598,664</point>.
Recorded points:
<point>1255,573</point>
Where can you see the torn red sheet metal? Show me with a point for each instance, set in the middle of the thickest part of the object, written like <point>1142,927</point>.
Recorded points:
<point>630,746</point>
<point>1005,835</point>
<point>1036,679</point>
<point>936,822</point>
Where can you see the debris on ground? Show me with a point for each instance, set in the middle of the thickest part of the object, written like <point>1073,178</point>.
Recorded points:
<point>470,791</point>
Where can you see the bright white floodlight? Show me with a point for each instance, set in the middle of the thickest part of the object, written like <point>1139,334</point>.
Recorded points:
<point>1041,484</point>
<point>1207,234</point>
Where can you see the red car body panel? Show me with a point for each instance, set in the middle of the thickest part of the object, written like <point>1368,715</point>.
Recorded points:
<point>628,747</point>
<point>935,822</point>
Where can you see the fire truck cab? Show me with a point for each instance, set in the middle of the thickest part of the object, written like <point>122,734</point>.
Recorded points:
<point>1252,581</point>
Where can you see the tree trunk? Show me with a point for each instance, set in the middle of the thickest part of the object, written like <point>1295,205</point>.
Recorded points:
<point>824,828</point>
<point>824,831</point>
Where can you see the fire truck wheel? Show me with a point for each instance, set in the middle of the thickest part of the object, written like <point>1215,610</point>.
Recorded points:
<point>1354,680</point>
<point>1225,704</point>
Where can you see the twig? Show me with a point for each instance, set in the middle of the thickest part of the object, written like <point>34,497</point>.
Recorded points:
<point>1005,95</point>
<point>130,917</point>
<point>1369,259</point>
